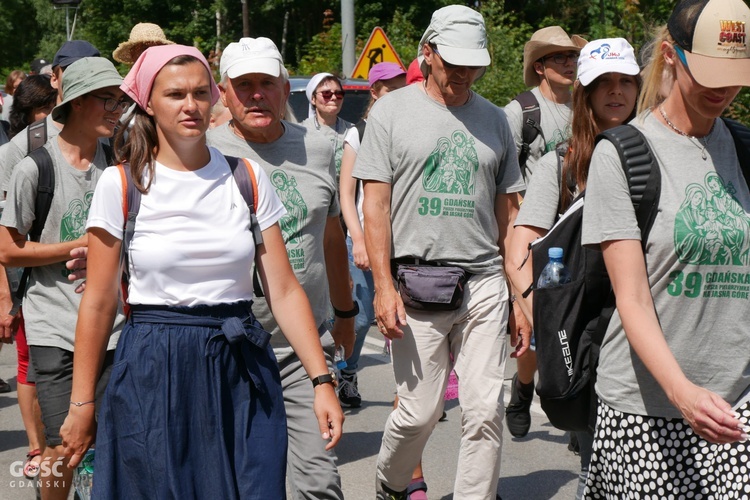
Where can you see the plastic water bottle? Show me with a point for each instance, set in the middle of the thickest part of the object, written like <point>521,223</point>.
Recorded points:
<point>83,477</point>
<point>554,273</point>
<point>339,359</point>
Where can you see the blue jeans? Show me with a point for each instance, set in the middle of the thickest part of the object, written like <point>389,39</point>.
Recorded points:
<point>363,291</point>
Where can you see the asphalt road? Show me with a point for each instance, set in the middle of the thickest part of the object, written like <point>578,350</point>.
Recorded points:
<point>538,466</point>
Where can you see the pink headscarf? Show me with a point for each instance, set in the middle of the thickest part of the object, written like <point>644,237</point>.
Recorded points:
<point>140,78</point>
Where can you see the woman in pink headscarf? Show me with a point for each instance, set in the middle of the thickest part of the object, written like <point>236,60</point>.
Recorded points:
<point>193,408</point>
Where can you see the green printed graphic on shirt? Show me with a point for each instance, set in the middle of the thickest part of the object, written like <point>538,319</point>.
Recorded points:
<point>712,228</point>
<point>73,223</point>
<point>558,136</point>
<point>296,217</point>
<point>451,165</point>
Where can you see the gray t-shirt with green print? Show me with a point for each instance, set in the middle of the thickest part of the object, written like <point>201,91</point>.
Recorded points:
<point>698,264</point>
<point>446,165</point>
<point>555,120</point>
<point>50,307</point>
<point>300,166</point>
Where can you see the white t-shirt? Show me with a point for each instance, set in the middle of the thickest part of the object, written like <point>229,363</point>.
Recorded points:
<point>352,139</point>
<point>192,244</point>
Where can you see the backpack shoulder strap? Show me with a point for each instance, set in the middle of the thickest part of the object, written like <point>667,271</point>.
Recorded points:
<point>531,128</point>
<point>641,170</point>
<point>36,134</point>
<point>131,204</point>
<point>741,136</point>
<point>361,129</point>
<point>644,180</point>
<point>42,202</point>
<point>248,185</point>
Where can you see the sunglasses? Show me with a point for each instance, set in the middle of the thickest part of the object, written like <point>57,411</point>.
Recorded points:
<point>562,58</point>
<point>328,94</point>
<point>448,65</point>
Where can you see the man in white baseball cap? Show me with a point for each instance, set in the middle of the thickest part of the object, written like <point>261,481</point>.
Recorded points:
<point>255,87</point>
<point>439,204</point>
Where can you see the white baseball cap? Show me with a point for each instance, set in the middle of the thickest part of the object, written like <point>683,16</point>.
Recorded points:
<point>251,55</point>
<point>606,55</point>
<point>712,34</point>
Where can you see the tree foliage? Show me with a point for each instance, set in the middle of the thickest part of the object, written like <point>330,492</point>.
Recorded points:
<point>308,32</point>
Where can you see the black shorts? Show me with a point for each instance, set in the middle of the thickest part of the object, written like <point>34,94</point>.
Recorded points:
<point>53,370</point>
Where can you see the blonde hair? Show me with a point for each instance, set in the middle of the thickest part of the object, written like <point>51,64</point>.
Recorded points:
<point>658,77</point>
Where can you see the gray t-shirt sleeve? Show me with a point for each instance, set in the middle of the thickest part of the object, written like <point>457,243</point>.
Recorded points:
<point>509,178</point>
<point>10,155</point>
<point>19,205</point>
<point>373,159</point>
<point>540,205</point>
<point>608,212</point>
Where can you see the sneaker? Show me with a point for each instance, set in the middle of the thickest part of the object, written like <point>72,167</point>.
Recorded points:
<point>348,393</point>
<point>4,386</point>
<point>385,493</point>
<point>518,414</point>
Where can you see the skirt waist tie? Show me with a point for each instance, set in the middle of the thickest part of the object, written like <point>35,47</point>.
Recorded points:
<point>236,325</point>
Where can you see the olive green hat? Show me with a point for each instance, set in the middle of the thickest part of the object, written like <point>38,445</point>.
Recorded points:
<point>84,76</point>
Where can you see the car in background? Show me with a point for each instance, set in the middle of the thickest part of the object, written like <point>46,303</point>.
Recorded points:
<point>356,98</point>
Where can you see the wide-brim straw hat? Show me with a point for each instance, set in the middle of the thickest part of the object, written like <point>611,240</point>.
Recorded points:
<point>142,36</point>
<point>544,42</point>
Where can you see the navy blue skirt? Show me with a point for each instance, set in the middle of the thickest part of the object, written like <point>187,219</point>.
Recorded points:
<point>193,408</point>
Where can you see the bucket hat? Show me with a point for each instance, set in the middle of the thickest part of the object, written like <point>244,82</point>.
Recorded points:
<point>84,76</point>
<point>142,36</point>
<point>712,35</point>
<point>606,55</point>
<point>460,36</point>
<point>544,42</point>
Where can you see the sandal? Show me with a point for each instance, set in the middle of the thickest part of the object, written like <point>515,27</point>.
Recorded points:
<point>417,489</point>
<point>31,468</point>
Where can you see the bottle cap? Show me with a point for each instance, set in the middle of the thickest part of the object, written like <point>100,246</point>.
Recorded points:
<point>555,253</point>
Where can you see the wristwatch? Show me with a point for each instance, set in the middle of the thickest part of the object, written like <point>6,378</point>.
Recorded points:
<point>328,378</point>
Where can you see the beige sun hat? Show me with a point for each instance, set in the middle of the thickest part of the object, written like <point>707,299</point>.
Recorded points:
<point>142,36</point>
<point>544,42</point>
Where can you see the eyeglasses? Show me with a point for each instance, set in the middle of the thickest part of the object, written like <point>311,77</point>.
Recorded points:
<point>450,66</point>
<point>562,58</point>
<point>328,94</point>
<point>112,105</point>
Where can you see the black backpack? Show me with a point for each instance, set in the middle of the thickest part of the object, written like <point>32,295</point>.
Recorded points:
<point>531,128</point>
<point>37,137</point>
<point>570,320</point>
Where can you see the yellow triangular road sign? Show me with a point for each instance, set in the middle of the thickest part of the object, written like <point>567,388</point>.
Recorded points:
<point>377,49</point>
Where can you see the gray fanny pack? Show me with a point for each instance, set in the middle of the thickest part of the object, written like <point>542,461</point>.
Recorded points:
<point>431,287</point>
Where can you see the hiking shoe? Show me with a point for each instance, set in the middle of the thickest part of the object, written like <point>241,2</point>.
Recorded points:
<point>385,493</point>
<point>518,414</point>
<point>348,392</point>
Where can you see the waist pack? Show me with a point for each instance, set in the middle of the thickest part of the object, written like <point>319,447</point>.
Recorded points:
<point>431,287</point>
<point>570,320</point>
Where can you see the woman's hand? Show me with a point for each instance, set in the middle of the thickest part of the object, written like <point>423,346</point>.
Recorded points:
<point>330,416</point>
<point>359,252</point>
<point>710,416</point>
<point>78,432</point>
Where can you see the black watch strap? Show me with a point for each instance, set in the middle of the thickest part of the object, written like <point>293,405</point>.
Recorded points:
<point>328,378</point>
<point>347,314</point>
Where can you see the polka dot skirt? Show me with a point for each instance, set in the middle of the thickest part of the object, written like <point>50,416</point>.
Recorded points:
<point>660,458</point>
